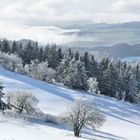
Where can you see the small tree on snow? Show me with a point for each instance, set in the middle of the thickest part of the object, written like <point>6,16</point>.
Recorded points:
<point>83,114</point>
<point>92,84</point>
<point>22,102</point>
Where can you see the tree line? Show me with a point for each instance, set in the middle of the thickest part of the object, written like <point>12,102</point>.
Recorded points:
<point>73,69</point>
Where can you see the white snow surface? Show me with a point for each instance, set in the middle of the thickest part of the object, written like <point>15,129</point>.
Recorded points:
<point>122,118</point>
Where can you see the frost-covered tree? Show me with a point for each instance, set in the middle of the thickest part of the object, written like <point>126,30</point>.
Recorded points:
<point>86,61</point>
<point>83,114</point>
<point>63,70</point>
<point>136,74</point>
<point>22,102</point>
<point>102,67</point>
<point>10,61</point>
<point>109,83</point>
<point>5,46</point>
<point>53,60</point>
<point>45,73</point>
<point>76,77</point>
<point>40,71</point>
<point>92,84</point>
<point>130,88</point>
<point>14,62</point>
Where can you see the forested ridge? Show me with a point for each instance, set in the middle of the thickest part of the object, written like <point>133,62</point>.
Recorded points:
<point>71,68</point>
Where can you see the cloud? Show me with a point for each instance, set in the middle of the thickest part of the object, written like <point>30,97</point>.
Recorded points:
<point>53,10</point>
<point>31,11</point>
<point>42,34</point>
<point>129,6</point>
<point>30,18</point>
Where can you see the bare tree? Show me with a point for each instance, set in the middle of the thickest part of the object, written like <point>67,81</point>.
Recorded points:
<point>83,114</point>
<point>22,101</point>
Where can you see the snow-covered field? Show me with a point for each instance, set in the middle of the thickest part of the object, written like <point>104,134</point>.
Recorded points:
<point>122,119</point>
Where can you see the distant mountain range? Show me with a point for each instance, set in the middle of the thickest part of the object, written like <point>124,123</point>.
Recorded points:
<point>101,39</point>
<point>118,51</point>
<point>95,35</point>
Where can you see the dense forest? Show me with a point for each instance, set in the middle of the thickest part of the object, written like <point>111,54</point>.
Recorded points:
<point>70,68</point>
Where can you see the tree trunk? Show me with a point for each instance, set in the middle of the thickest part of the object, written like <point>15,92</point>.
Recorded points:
<point>76,132</point>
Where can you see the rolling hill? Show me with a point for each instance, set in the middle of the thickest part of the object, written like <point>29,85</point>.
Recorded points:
<point>122,118</point>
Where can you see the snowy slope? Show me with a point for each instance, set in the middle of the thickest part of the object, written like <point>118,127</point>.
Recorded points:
<point>122,119</point>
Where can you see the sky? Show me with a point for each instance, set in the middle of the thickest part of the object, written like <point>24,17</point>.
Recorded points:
<point>24,18</point>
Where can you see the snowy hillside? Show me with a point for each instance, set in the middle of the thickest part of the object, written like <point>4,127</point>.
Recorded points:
<point>122,119</point>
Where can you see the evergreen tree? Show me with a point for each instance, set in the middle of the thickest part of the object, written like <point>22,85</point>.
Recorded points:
<point>77,77</point>
<point>14,48</point>
<point>35,52</point>
<point>59,55</point>
<point>20,50</point>
<point>5,46</point>
<point>0,45</point>
<point>120,95</point>
<point>102,67</point>
<point>46,53</point>
<point>27,54</point>
<point>93,67</point>
<point>130,87</point>
<point>53,61</point>
<point>86,61</point>
<point>70,53</point>
<point>41,55</point>
<point>77,56</point>
<point>63,69</point>
<point>136,74</point>
<point>3,106</point>
<point>109,84</point>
